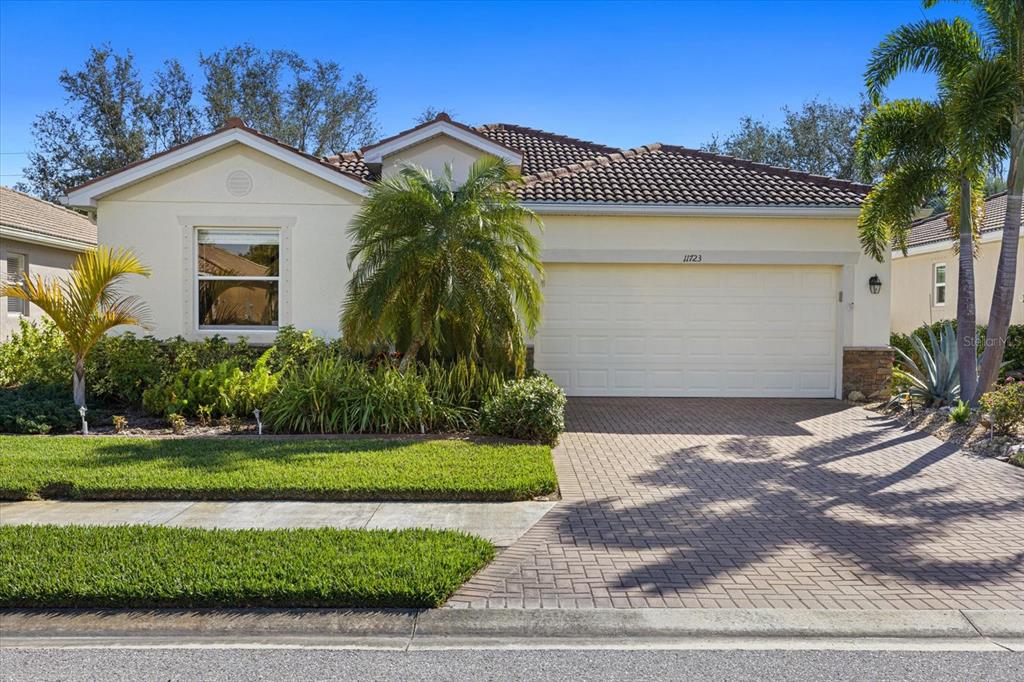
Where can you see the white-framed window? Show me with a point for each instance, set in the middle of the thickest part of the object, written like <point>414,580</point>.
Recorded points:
<point>939,284</point>
<point>17,272</point>
<point>238,278</point>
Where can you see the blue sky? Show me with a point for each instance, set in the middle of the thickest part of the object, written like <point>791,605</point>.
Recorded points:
<point>624,74</point>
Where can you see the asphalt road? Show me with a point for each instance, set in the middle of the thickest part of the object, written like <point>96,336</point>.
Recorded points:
<point>577,665</point>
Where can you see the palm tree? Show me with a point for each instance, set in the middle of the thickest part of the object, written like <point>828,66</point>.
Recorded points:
<point>87,304</point>
<point>445,267</point>
<point>1002,23</point>
<point>924,148</point>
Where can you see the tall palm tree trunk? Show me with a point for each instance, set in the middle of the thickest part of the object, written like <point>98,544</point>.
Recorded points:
<point>966,315</point>
<point>79,381</point>
<point>409,359</point>
<point>1006,269</point>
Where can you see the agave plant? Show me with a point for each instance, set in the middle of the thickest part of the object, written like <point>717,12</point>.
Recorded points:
<point>937,382</point>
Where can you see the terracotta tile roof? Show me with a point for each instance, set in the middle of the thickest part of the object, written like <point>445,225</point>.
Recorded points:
<point>43,218</point>
<point>665,174</point>
<point>542,150</point>
<point>935,229</point>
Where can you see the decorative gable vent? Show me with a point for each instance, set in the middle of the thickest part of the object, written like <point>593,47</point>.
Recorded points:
<point>239,183</point>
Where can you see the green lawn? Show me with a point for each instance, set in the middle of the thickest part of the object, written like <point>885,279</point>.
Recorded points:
<point>152,566</point>
<point>114,468</point>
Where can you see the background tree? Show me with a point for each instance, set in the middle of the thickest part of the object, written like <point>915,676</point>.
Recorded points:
<point>173,119</point>
<point>924,147</point>
<point>87,304</point>
<point>111,119</point>
<point>103,126</point>
<point>442,268</point>
<point>819,137</point>
<point>310,106</point>
<point>430,113</point>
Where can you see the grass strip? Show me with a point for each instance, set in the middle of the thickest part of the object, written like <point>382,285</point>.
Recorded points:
<point>152,566</point>
<point>115,468</point>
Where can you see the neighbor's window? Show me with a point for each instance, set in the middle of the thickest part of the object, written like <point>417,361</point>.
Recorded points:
<point>238,277</point>
<point>17,271</point>
<point>939,284</point>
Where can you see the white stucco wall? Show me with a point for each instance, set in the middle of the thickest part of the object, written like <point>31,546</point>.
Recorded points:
<point>433,154</point>
<point>47,261</point>
<point>157,217</point>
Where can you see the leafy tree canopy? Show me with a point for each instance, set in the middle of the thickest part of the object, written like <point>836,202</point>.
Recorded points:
<point>112,118</point>
<point>819,138</point>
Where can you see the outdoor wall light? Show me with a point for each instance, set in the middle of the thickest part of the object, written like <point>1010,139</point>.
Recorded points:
<point>875,284</point>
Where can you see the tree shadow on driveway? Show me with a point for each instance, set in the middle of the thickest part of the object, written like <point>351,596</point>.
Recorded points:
<point>890,511</point>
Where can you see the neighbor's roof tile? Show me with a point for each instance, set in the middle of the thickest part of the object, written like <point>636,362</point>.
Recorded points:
<point>41,217</point>
<point>934,229</point>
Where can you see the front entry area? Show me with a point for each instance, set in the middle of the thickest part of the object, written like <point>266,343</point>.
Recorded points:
<point>693,330</point>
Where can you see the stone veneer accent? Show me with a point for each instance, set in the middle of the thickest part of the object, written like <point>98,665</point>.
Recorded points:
<point>867,369</point>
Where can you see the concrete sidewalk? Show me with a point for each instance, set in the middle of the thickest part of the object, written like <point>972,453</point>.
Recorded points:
<point>500,522</point>
<point>517,628</point>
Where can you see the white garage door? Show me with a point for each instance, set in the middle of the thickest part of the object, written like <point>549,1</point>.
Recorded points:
<point>690,330</point>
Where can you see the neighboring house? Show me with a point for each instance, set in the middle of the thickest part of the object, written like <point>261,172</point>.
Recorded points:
<point>924,282</point>
<point>669,271</point>
<point>36,238</point>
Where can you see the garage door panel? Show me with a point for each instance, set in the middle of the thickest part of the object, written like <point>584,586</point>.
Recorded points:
<point>689,330</point>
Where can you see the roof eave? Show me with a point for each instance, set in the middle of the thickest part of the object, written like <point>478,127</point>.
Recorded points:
<point>31,237</point>
<point>87,195</point>
<point>612,209</point>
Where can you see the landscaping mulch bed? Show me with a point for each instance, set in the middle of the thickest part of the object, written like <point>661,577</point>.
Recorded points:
<point>152,566</point>
<point>973,437</point>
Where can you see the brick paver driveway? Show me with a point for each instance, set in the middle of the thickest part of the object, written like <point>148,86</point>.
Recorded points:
<point>763,503</point>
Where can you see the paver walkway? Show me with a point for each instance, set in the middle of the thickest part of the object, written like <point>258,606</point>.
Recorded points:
<point>500,522</point>
<point>763,504</point>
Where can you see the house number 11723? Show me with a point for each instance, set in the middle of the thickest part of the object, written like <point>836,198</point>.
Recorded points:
<point>692,258</point>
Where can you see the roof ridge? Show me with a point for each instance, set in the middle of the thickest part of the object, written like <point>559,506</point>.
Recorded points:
<point>595,162</point>
<point>556,137</point>
<point>839,183</point>
<point>49,204</point>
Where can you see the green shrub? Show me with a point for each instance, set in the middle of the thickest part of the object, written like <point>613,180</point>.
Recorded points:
<point>528,409</point>
<point>210,352</point>
<point>961,413</point>
<point>121,367</point>
<point>337,395</point>
<point>1005,402</point>
<point>36,353</point>
<point>177,423</point>
<point>293,348</point>
<point>224,389</point>
<point>37,408</point>
<point>334,394</point>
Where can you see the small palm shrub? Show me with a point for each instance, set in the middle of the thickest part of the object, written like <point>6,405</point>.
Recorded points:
<point>1005,403</point>
<point>527,409</point>
<point>37,408</point>
<point>935,381</point>
<point>961,413</point>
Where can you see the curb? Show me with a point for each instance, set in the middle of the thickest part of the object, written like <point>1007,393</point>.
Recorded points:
<point>408,628</point>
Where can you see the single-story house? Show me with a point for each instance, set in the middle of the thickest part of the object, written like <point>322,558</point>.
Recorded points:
<point>924,282</point>
<point>36,238</point>
<point>669,271</point>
